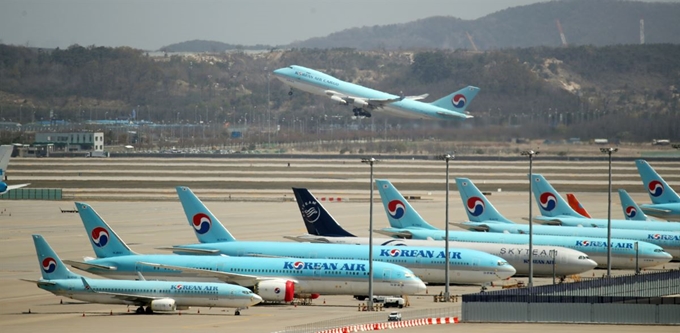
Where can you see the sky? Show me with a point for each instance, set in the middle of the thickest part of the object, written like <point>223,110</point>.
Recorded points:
<point>152,24</point>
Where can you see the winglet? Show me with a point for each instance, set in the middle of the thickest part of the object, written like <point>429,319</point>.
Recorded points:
<point>87,285</point>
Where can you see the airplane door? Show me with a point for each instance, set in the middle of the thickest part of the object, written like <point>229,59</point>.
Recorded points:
<point>475,261</point>
<point>387,274</point>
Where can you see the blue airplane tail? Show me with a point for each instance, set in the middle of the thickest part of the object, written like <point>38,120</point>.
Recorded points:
<point>207,227</point>
<point>105,242</point>
<point>459,100</point>
<point>549,200</point>
<point>477,207</point>
<point>630,209</point>
<point>658,189</point>
<point>317,220</point>
<point>51,267</point>
<point>400,214</point>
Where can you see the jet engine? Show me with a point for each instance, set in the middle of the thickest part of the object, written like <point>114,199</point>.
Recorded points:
<point>339,100</point>
<point>3,186</point>
<point>360,103</point>
<point>163,305</point>
<point>276,290</point>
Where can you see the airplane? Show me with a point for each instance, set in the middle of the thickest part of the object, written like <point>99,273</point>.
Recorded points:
<point>405,222</point>
<point>5,154</point>
<point>631,210</point>
<point>665,202</point>
<point>576,205</point>
<point>366,100</point>
<point>555,211</point>
<point>323,228</point>
<point>156,296</point>
<point>275,279</point>
<point>467,266</point>
<point>483,216</point>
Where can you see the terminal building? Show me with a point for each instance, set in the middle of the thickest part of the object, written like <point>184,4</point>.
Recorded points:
<point>72,142</point>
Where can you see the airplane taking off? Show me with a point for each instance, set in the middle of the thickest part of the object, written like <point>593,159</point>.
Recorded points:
<point>483,217</point>
<point>467,266</point>
<point>665,202</point>
<point>555,211</point>
<point>405,222</point>
<point>323,228</point>
<point>5,154</point>
<point>277,279</point>
<point>156,296</point>
<point>366,100</point>
<point>576,205</point>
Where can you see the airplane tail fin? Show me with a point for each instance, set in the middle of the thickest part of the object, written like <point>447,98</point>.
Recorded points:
<point>105,242</point>
<point>477,207</point>
<point>317,220</point>
<point>51,267</point>
<point>576,205</point>
<point>207,227</point>
<point>400,214</point>
<point>630,209</point>
<point>658,189</point>
<point>549,200</point>
<point>459,100</point>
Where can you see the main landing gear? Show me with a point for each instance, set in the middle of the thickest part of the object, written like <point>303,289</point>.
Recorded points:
<point>290,93</point>
<point>359,112</point>
<point>237,312</point>
<point>141,310</point>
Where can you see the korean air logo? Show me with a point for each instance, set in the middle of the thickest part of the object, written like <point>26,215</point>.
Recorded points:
<point>277,290</point>
<point>100,237</point>
<point>459,100</point>
<point>310,211</point>
<point>630,211</point>
<point>49,265</point>
<point>548,201</point>
<point>656,236</point>
<point>475,205</point>
<point>298,265</point>
<point>395,252</point>
<point>396,209</point>
<point>201,223</point>
<point>585,243</point>
<point>179,287</point>
<point>655,188</point>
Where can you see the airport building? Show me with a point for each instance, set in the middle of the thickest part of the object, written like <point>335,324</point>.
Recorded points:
<point>72,142</point>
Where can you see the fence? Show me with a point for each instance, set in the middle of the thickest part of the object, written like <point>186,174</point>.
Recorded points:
<point>630,299</point>
<point>372,317</point>
<point>32,194</point>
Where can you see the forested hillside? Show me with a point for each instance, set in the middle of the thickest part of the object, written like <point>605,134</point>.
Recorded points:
<point>629,92</point>
<point>584,22</point>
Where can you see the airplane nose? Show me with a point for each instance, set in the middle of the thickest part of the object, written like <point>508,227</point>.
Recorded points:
<point>590,263</point>
<point>506,271</point>
<point>419,287</point>
<point>255,299</point>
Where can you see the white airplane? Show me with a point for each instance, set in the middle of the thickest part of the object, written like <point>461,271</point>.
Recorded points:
<point>157,296</point>
<point>5,154</point>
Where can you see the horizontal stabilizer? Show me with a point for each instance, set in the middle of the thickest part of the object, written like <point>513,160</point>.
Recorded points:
<point>417,98</point>
<point>659,210</point>
<point>83,266</point>
<point>40,282</point>
<point>13,187</point>
<point>399,234</point>
<point>476,227</point>
<point>190,250</point>
<point>308,239</point>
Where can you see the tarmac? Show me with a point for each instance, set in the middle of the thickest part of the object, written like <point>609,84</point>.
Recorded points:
<point>147,225</point>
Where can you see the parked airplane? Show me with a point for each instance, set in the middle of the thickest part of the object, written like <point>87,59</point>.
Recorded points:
<point>323,228</point>
<point>274,279</point>
<point>483,217</point>
<point>555,211</point>
<point>576,205</point>
<point>156,296</point>
<point>366,100</point>
<point>407,223</point>
<point>665,202</point>
<point>5,154</point>
<point>631,210</point>
<point>467,266</point>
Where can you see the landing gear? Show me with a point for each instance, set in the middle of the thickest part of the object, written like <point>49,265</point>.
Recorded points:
<point>148,310</point>
<point>237,313</point>
<point>139,310</point>
<point>359,112</point>
<point>290,93</point>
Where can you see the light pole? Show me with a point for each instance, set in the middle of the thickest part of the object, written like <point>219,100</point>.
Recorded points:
<point>370,161</point>
<point>637,268</point>
<point>447,158</point>
<point>531,154</point>
<point>269,121</point>
<point>609,151</point>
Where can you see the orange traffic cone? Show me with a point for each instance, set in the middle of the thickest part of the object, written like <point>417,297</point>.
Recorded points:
<point>83,314</point>
<point>324,301</point>
<point>111,313</point>
<point>61,301</point>
<point>199,311</point>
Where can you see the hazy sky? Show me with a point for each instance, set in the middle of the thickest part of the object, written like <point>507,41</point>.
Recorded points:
<point>151,24</point>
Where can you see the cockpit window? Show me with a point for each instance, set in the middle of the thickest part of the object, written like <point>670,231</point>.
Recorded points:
<point>408,275</point>
<point>659,250</point>
<point>502,263</point>
<point>583,257</point>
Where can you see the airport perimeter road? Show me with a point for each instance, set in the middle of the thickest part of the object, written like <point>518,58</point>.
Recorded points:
<point>146,226</point>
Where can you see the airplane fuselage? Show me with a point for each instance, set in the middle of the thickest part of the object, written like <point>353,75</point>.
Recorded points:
<point>569,221</point>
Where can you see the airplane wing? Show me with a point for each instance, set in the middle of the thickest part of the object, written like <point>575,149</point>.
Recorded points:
<point>132,298</point>
<point>399,234</point>
<point>190,250</point>
<point>372,103</point>
<point>240,279</point>
<point>308,239</point>
<point>83,266</point>
<point>417,98</point>
<point>12,187</point>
